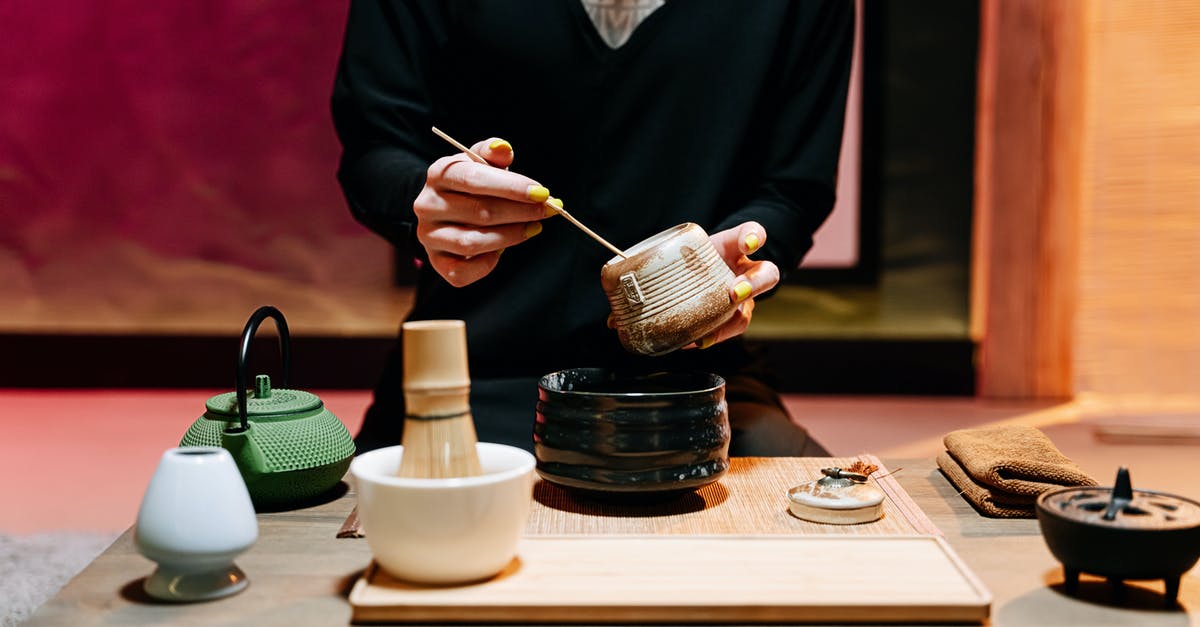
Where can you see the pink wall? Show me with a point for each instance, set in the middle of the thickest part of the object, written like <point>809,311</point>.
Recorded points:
<point>836,244</point>
<point>168,166</point>
<point>144,144</point>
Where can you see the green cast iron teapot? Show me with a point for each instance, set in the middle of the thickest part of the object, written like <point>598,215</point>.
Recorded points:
<point>287,445</point>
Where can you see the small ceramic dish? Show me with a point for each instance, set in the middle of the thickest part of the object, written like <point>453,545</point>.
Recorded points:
<point>839,498</point>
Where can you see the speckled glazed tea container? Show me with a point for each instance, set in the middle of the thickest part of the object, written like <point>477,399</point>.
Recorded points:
<point>669,291</point>
<point>604,434</point>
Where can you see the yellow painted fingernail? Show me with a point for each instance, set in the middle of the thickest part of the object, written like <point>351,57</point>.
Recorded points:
<point>500,143</point>
<point>752,242</point>
<point>557,202</point>
<point>533,228</point>
<point>742,290</point>
<point>707,342</point>
<point>537,193</point>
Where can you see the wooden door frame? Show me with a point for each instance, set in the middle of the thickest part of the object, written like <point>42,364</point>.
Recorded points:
<point>1028,192</point>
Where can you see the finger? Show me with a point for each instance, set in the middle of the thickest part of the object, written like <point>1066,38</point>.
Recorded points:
<point>469,242</point>
<point>458,173</point>
<point>732,328</point>
<point>459,271</point>
<point>478,210</point>
<point>744,239</point>
<point>496,151</point>
<point>756,278</point>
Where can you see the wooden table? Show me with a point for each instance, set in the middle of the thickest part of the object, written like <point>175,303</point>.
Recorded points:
<point>301,574</point>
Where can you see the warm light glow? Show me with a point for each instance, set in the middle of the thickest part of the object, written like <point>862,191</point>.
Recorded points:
<point>1139,303</point>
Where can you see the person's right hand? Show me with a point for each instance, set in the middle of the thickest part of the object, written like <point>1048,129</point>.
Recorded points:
<point>468,212</point>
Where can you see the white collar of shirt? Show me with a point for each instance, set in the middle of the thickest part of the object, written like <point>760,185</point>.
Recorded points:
<point>615,20</point>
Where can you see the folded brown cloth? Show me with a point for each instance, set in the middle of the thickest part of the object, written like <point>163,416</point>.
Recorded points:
<point>1002,470</point>
<point>987,501</point>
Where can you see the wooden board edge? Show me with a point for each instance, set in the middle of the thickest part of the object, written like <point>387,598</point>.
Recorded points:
<point>710,614</point>
<point>967,574</point>
<point>976,611</point>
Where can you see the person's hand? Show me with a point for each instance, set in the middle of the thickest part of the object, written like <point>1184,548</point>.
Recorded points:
<point>752,277</point>
<point>468,212</point>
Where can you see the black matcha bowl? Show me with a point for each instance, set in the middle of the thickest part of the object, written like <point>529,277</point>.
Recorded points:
<point>634,438</point>
<point>1120,533</point>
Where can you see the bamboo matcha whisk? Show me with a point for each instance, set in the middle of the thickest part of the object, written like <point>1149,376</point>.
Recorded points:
<point>439,432</point>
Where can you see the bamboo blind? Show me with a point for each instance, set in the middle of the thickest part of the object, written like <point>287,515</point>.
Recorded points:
<point>1138,326</point>
<point>1087,241</point>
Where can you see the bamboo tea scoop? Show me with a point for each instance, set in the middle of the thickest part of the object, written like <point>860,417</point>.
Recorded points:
<point>559,210</point>
<point>439,432</point>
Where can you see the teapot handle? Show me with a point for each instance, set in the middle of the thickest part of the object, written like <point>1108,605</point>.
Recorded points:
<point>285,354</point>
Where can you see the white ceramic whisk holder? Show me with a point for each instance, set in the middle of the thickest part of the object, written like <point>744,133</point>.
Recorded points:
<point>195,518</point>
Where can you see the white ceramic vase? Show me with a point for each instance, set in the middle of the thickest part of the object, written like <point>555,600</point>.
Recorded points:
<point>195,518</point>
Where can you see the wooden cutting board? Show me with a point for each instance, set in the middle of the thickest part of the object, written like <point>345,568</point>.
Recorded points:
<point>697,579</point>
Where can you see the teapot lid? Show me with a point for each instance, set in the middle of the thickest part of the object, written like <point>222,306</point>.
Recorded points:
<point>264,401</point>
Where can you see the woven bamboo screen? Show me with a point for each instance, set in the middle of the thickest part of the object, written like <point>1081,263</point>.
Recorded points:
<point>1087,247</point>
<point>1138,317</point>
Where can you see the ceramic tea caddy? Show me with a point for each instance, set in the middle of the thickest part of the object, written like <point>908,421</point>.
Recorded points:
<point>1121,533</point>
<point>287,445</point>
<point>668,291</point>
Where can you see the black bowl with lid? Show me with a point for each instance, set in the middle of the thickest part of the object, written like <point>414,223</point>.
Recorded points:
<point>1121,533</point>
<point>631,437</point>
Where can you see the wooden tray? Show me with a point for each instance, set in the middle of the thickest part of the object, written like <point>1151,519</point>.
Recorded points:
<point>697,579</point>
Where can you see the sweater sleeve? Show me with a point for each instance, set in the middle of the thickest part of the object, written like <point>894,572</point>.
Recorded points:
<point>382,111</point>
<point>804,135</point>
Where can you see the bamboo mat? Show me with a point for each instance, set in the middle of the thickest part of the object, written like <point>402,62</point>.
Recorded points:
<point>750,499</point>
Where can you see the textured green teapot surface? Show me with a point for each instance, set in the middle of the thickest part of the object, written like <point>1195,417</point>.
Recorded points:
<point>292,427</point>
<point>289,431</point>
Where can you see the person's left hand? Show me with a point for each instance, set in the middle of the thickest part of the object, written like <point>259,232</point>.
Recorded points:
<point>752,277</point>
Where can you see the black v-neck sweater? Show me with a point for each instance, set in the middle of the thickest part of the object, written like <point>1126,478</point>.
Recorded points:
<point>714,112</point>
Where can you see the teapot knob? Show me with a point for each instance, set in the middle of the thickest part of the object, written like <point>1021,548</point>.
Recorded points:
<point>262,386</point>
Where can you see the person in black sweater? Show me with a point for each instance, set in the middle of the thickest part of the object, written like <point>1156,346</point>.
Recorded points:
<point>726,114</point>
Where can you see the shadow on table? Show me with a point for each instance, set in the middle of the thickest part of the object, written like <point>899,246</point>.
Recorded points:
<point>554,497</point>
<point>328,496</point>
<point>1094,603</point>
<point>135,592</point>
